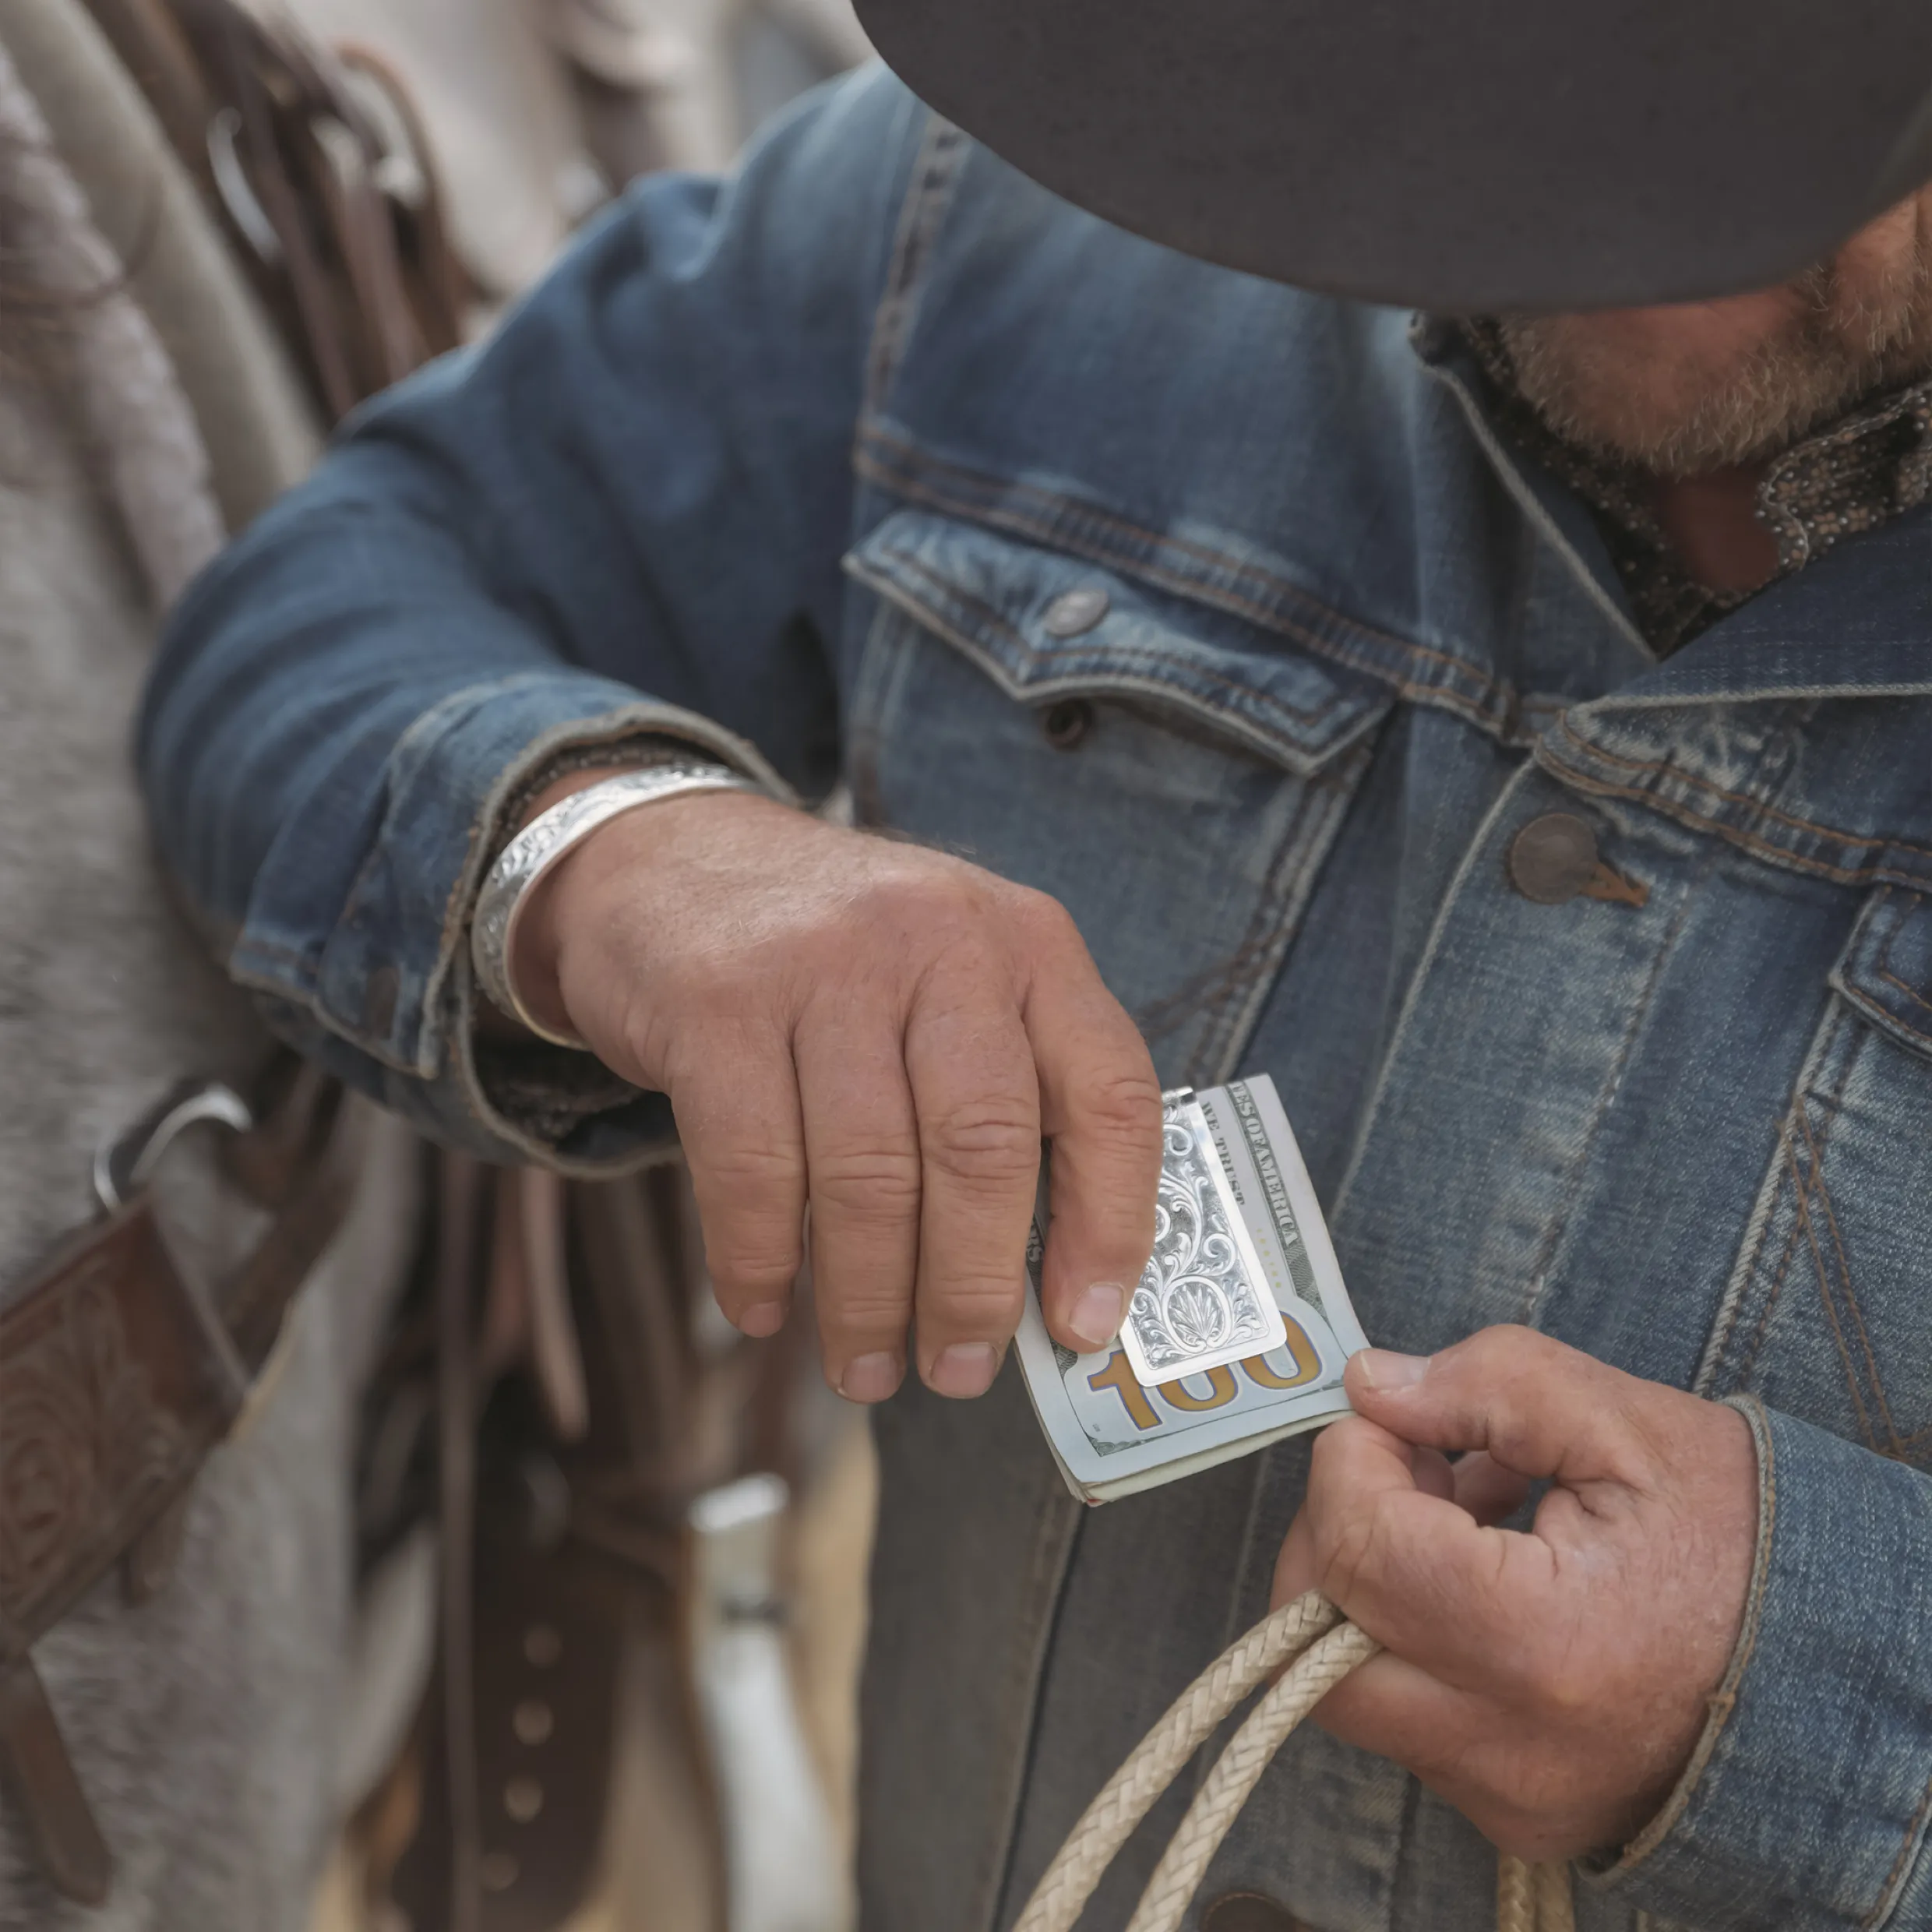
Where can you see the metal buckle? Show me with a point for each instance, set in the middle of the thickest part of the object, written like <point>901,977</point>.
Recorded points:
<point>237,192</point>
<point>124,1166</point>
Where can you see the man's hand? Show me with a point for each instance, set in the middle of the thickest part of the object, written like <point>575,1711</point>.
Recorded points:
<point>882,1033</point>
<point>1550,1685</point>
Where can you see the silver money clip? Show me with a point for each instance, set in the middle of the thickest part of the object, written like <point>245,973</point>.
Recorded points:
<point>1205,1300</point>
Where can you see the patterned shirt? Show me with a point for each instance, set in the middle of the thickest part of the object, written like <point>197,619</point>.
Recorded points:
<point>1874,464</point>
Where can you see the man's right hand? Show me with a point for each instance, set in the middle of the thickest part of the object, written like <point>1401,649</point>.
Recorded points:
<point>877,1031</point>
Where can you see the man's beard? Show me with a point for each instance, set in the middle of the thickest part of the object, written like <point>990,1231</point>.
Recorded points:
<point>1847,335</point>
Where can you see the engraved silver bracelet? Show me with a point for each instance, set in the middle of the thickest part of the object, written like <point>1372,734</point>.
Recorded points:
<point>543,842</point>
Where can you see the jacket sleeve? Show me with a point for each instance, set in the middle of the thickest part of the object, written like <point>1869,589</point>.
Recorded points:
<point>621,517</point>
<point>1806,1802</point>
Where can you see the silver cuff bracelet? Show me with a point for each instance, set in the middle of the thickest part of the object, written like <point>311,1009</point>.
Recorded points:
<point>546,839</point>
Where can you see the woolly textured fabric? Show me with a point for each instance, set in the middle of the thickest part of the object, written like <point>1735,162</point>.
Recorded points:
<point>139,421</point>
<point>203,1724</point>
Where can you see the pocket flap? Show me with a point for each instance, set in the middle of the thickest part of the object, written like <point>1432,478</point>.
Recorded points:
<point>1044,625</point>
<point>1886,971</point>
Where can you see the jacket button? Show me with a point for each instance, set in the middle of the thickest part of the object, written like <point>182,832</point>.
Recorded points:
<point>1066,722</point>
<point>1076,612</point>
<point>1249,1912</point>
<point>1553,858</point>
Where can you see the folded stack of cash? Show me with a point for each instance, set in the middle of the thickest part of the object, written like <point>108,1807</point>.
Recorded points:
<point>1239,1332</point>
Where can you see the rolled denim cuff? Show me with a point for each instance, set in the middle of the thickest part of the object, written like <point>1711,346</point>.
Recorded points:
<point>389,1003</point>
<point>1806,1804</point>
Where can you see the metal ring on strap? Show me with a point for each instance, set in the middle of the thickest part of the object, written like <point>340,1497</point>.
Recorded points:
<point>124,1165</point>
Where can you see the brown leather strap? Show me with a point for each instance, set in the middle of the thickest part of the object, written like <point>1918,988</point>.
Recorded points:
<point>39,1777</point>
<point>335,208</point>
<point>460,1209</point>
<point>118,1372</point>
<point>113,1385</point>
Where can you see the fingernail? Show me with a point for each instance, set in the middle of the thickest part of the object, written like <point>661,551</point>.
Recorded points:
<point>870,1378</point>
<point>1096,1316</point>
<point>762,1319</point>
<point>966,1369</point>
<point>1382,1369</point>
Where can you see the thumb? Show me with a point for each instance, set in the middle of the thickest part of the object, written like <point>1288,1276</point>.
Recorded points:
<point>1540,1409</point>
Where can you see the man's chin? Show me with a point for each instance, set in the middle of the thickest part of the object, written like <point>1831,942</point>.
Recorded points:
<point>1682,391</point>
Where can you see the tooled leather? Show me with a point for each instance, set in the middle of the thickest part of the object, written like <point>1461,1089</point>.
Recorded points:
<point>106,1407</point>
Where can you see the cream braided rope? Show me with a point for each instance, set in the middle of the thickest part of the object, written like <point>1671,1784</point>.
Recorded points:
<point>1309,1635</point>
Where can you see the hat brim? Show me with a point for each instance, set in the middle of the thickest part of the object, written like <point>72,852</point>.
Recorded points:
<point>1489,155</point>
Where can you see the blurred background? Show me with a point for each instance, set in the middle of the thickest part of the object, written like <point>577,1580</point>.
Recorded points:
<point>728,1808</point>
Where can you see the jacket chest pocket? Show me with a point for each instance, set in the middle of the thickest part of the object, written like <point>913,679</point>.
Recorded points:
<point>1825,1317</point>
<point>1172,775</point>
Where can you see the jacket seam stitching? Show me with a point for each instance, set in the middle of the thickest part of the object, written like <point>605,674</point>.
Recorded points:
<point>1217,559</point>
<point>1221,561</point>
<point>927,199</point>
<point>1664,768</point>
<point>1688,814</point>
<point>1835,1320</point>
<point>1884,972</point>
<point>1880,1399</point>
<point>1830,1102</point>
<point>1150,654</point>
<point>1915,1826</point>
<point>1501,723</point>
<point>1561,1217</point>
<point>1723,1702</point>
<point>1265,925</point>
<point>1897,1020</point>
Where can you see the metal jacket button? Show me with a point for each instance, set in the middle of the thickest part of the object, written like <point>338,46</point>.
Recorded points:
<point>1066,722</point>
<point>1249,1912</point>
<point>1076,612</point>
<point>1553,858</point>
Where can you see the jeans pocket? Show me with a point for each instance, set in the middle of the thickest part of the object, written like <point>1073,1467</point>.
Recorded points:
<point>1825,1317</point>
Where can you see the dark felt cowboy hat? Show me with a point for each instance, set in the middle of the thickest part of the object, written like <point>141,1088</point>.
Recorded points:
<point>1463,155</point>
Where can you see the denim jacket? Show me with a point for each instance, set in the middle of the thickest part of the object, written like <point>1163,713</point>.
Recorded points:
<point>1219,611</point>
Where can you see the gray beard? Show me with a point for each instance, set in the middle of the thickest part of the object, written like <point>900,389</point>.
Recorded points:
<point>1809,374</point>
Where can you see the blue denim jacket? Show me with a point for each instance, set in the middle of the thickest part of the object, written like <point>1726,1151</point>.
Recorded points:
<point>803,465</point>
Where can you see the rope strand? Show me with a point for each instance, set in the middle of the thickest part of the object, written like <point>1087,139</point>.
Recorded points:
<point>1239,1770</point>
<point>1108,1823</point>
<point>1309,1634</point>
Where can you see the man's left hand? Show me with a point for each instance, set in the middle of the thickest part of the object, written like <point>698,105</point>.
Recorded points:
<point>1550,1684</point>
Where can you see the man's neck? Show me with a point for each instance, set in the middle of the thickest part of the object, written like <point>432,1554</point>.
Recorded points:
<point>1711,522</point>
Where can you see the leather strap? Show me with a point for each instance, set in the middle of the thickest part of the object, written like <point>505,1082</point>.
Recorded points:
<point>118,1373</point>
<point>39,1777</point>
<point>316,164</point>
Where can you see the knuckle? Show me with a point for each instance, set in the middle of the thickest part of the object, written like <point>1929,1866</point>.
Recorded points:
<point>1121,1103</point>
<point>978,1305</point>
<point>751,1267</point>
<point>873,1183</point>
<point>740,1180</point>
<point>992,1143</point>
<point>863,1302</point>
<point>1045,922</point>
<point>915,892</point>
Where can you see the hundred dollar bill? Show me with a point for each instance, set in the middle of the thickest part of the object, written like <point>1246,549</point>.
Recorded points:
<point>1116,1425</point>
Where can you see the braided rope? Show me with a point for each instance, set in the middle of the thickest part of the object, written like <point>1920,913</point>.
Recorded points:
<point>1533,1898</point>
<point>1310,1631</point>
<point>1239,1770</point>
<point>1515,1895</point>
<point>1108,1822</point>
